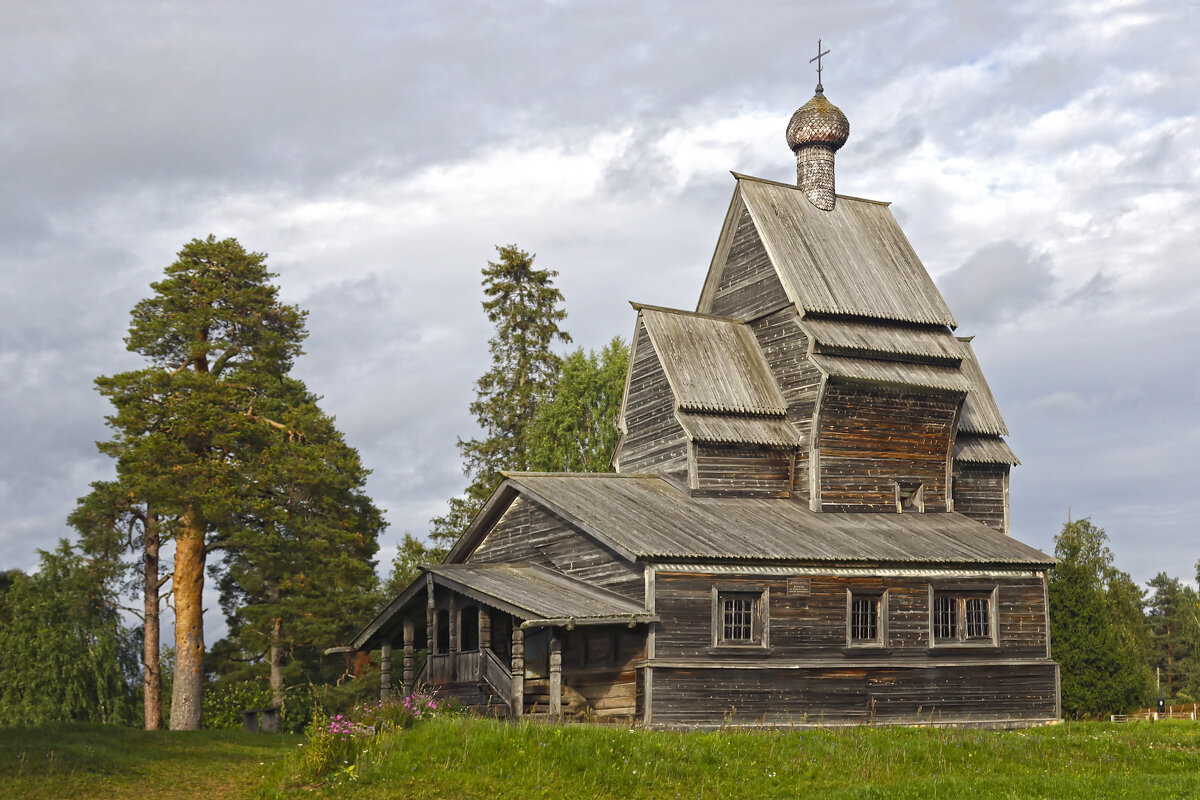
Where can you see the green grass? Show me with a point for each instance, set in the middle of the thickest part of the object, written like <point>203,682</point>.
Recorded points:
<point>464,757</point>
<point>467,757</point>
<point>95,762</point>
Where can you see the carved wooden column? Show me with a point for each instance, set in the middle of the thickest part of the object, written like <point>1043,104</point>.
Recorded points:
<point>430,614</point>
<point>555,674</point>
<point>410,657</point>
<point>385,670</point>
<point>485,637</point>
<point>518,670</point>
<point>453,637</point>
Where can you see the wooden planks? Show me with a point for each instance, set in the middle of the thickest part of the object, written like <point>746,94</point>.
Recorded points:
<point>653,439</point>
<point>742,471</point>
<point>869,438</point>
<point>748,284</point>
<point>531,533</point>
<point>980,492</point>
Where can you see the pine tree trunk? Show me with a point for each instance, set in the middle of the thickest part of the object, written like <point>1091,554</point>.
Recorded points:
<point>189,625</point>
<point>276,654</point>
<point>152,677</point>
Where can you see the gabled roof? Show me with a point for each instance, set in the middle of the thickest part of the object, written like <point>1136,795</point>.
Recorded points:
<point>712,363</point>
<point>646,517</point>
<point>529,592</point>
<point>853,260</point>
<point>980,414</point>
<point>865,337</point>
<point>983,450</point>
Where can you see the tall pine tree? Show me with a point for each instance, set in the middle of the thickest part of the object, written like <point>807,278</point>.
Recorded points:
<point>525,308</point>
<point>1173,622</point>
<point>187,428</point>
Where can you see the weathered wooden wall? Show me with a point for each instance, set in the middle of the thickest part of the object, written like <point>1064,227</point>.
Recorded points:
<point>741,470</point>
<point>654,440</point>
<point>869,437</point>
<point>528,532</point>
<point>608,686</point>
<point>749,285</point>
<point>961,694</point>
<point>809,674</point>
<point>785,347</point>
<point>814,626</point>
<point>981,493</point>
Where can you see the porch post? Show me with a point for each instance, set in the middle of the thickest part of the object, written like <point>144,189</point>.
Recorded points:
<point>385,670</point>
<point>485,637</point>
<point>453,637</point>
<point>430,616</point>
<point>555,674</point>
<point>518,669</point>
<point>410,657</point>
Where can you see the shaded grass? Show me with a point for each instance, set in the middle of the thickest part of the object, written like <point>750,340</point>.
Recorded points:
<point>79,761</point>
<point>468,757</point>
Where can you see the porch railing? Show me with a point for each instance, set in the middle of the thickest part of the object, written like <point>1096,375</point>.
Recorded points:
<point>497,676</point>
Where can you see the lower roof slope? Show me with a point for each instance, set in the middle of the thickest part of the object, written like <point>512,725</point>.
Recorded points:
<point>648,518</point>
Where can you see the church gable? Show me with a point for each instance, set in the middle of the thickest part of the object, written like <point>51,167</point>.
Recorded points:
<point>651,437</point>
<point>742,281</point>
<point>529,533</point>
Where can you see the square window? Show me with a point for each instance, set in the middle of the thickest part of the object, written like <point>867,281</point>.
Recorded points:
<point>867,618</point>
<point>739,618</point>
<point>910,497</point>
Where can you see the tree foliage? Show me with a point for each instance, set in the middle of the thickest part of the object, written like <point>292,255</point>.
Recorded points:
<point>575,427</point>
<point>297,573</point>
<point>64,655</point>
<point>1172,611</point>
<point>525,308</point>
<point>1099,637</point>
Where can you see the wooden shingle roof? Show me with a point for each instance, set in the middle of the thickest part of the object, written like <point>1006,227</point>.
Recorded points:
<point>980,413</point>
<point>712,363</point>
<point>894,373</point>
<point>853,260</point>
<point>646,517</point>
<point>887,338</point>
<point>983,450</point>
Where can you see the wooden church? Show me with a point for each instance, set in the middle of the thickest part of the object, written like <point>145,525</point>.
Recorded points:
<point>808,523</point>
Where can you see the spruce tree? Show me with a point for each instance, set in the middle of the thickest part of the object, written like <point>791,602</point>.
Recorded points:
<point>525,308</point>
<point>1173,623</point>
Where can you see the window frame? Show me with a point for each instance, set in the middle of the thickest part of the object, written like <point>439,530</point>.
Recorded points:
<point>960,596</point>
<point>879,599</point>
<point>760,615</point>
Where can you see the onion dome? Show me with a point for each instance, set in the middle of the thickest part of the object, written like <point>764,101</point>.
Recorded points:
<point>818,122</point>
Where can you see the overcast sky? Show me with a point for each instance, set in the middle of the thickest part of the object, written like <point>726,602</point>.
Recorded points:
<point>1043,159</point>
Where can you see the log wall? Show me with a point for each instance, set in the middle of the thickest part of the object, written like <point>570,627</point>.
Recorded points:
<point>814,625</point>
<point>748,285</point>
<point>741,471</point>
<point>528,532</point>
<point>785,347</point>
<point>870,437</point>
<point>981,493</point>
<point>654,440</point>
<point>809,675</point>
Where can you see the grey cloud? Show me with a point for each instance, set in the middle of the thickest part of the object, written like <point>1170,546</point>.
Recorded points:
<point>998,282</point>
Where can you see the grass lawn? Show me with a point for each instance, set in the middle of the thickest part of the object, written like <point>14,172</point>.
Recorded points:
<point>467,757</point>
<point>462,757</point>
<point>96,762</point>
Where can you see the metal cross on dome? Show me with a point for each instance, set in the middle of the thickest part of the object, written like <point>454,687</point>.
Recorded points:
<point>817,58</point>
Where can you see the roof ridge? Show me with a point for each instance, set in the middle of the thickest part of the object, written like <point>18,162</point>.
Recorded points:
<point>684,312</point>
<point>743,177</point>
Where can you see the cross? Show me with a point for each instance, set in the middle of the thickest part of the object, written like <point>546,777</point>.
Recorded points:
<point>817,58</point>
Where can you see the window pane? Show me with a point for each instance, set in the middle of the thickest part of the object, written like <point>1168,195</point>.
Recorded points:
<point>737,618</point>
<point>978,622</point>
<point>864,619</point>
<point>945,617</point>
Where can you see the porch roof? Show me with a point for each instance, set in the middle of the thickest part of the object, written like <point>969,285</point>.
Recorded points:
<point>532,593</point>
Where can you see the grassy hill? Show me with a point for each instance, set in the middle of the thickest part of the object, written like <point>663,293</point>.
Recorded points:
<point>465,757</point>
